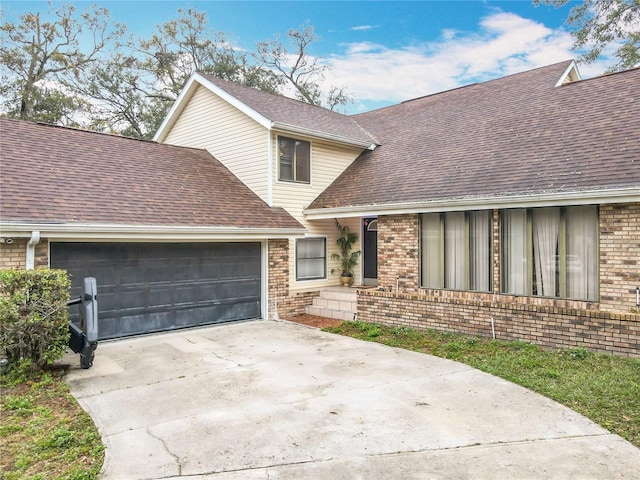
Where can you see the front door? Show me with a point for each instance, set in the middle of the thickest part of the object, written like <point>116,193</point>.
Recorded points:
<point>370,251</point>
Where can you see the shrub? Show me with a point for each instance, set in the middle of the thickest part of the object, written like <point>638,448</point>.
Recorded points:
<point>34,321</point>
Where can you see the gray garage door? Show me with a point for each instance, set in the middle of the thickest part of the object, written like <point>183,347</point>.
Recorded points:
<point>150,287</point>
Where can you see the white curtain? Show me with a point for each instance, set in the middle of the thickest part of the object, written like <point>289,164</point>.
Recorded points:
<point>430,235</point>
<point>479,251</point>
<point>546,226</point>
<point>514,251</point>
<point>582,252</point>
<point>454,251</point>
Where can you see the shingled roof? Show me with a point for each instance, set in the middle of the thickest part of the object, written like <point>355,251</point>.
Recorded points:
<point>280,112</point>
<point>54,174</point>
<point>517,136</point>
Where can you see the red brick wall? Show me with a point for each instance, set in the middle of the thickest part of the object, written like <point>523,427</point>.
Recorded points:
<point>608,325</point>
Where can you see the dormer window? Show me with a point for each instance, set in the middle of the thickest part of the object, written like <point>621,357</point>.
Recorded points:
<point>294,163</point>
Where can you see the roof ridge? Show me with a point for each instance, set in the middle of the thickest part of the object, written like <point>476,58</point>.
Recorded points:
<point>442,92</point>
<point>209,76</point>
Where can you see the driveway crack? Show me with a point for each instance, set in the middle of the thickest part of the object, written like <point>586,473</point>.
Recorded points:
<point>166,448</point>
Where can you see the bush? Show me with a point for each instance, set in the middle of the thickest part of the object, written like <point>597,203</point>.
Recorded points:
<point>34,321</point>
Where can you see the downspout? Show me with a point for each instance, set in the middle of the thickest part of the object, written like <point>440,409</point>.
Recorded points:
<point>270,168</point>
<point>31,250</point>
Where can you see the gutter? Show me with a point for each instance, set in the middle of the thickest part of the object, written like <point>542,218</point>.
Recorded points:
<point>154,233</point>
<point>31,250</point>
<point>619,195</point>
<point>286,128</point>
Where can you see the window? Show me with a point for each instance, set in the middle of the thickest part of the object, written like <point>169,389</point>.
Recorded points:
<point>551,252</point>
<point>456,250</point>
<point>294,160</point>
<point>311,258</point>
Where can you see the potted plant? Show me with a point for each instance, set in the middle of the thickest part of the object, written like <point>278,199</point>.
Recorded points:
<point>348,258</point>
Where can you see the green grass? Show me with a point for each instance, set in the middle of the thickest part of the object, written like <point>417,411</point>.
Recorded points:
<point>604,388</point>
<point>44,434</point>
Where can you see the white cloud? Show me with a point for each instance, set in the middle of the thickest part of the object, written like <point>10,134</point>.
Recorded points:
<point>362,28</point>
<point>504,44</point>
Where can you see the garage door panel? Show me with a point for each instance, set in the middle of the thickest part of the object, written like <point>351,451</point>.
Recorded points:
<point>152,287</point>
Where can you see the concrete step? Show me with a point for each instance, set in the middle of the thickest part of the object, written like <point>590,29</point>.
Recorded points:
<point>329,313</point>
<point>339,293</point>
<point>339,303</point>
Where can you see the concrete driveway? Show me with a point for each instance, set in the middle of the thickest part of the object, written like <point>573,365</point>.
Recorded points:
<point>277,400</point>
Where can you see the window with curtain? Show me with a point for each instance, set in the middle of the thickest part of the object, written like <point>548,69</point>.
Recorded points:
<point>311,258</point>
<point>551,252</point>
<point>456,250</point>
<point>294,163</point>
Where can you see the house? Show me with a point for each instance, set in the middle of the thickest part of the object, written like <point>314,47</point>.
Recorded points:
<point>172,237</point>
<point>507,208</point>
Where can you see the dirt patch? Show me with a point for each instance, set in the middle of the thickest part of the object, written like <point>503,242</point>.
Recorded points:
<point>315,321</point>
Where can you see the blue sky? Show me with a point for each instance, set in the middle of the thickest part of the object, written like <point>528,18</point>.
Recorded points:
<point>383,52</point>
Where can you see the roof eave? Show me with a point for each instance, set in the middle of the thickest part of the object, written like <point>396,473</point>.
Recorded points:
<point>287,128</point>
<point>120,232</point>
<point>618,195</point>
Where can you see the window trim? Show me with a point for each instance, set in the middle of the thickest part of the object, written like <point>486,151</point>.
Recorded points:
<point>293,167</point>
<point>325,257</point>
<point>562,254</point>
<point>466,252</point>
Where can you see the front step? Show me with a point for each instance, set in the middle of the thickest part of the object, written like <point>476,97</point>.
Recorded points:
<point>340,303</point>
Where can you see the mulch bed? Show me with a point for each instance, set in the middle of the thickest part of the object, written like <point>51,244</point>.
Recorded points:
<point>315,321</point>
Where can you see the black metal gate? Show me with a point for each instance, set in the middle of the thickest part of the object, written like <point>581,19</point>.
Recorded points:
<point>150,287</point>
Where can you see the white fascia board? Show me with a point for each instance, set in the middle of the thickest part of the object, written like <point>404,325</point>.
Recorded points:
<point>153,233</point>
<point>176,109</point>
<point>286,128</point>
<point>620,195</point>
<point>250,112</point>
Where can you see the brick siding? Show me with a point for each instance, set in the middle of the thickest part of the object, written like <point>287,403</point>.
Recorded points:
<point>619,256</point>
<point>14,255</point>
<point>608,325</point>
<point>281,303</point>
<point>548,326</point>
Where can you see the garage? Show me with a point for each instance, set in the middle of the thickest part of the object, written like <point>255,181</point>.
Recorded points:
<point>152,287</point>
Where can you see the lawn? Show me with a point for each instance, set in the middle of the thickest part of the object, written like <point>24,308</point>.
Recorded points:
<point>44,434</point>
<point>604,388</point>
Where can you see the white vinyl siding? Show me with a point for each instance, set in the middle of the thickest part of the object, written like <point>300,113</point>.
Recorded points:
<point>328,161</point>
<point>233,138</point>
<point>327,229</point>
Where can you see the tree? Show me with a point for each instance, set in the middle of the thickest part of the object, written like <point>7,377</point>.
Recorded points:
<point>135,88</point>
<point>185,45</point>
<point>36,56</point>
<point>300,70</point>
<point>599,24</point>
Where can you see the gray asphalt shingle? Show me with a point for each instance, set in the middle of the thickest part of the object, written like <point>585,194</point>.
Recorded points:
<point>63,175</point>
<point>517,135</point>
